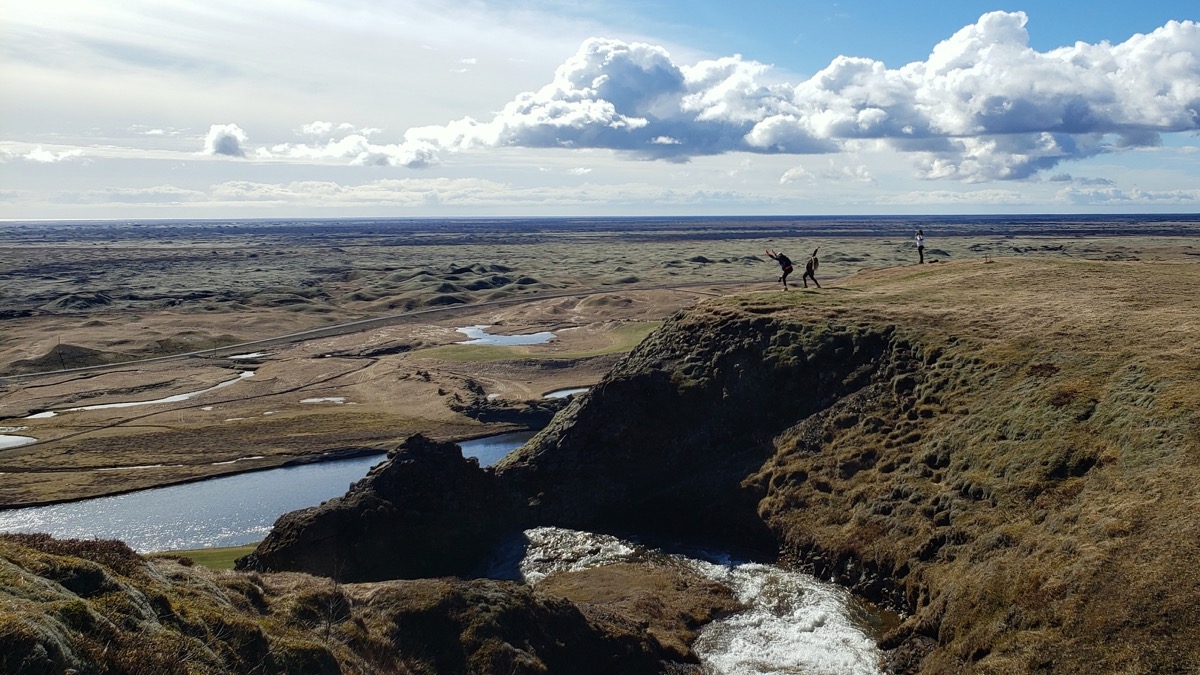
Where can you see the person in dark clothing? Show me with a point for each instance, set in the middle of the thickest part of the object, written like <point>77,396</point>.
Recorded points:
<point>921,246</point>
<point>810,268</point>
<point>785,264</point>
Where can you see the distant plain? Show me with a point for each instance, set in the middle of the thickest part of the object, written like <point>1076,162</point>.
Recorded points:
<point>83,306</point>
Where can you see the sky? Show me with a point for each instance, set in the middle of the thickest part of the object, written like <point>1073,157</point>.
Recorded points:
<point>216,109</point>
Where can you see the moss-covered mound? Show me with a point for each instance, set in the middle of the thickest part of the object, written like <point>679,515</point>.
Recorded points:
<point>92,607</point>
<point>64,356</point>
<point>1005,451</point>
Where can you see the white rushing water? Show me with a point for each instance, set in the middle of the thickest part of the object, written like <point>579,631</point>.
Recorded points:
<point>793,623</point>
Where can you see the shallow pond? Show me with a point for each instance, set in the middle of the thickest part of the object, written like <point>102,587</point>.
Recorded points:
<point>12,441</point>
<point>563,393</point>
<point>478,335</point>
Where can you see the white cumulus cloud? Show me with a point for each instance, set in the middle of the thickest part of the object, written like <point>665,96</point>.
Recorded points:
<point>225,140</point>
<point>44,156</point>
<point>983,106</point>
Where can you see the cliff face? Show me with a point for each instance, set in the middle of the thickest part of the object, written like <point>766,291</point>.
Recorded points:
<point>1005,452</point>
<point>665,442</point>
<point>425,492</point>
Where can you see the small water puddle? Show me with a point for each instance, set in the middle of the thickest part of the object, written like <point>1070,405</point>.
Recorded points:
<point>11,441</point>
<point>563,393</point>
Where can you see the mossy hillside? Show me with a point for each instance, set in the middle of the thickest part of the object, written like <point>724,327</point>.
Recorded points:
<point>1026,491</point>
<point>98,607</point>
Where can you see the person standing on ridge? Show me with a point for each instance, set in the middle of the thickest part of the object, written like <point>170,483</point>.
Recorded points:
<point>921,246</point>
<point>810,268</point>
<point>785,264</point>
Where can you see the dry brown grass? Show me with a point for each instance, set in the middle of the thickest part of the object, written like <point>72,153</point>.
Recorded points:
<point>1032,483</point>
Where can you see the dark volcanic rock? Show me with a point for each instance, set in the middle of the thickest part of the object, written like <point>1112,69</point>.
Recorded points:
<point>427,511</point>
<point>665,442</point>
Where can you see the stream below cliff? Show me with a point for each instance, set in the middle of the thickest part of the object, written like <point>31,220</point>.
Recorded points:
<point>793,622</point>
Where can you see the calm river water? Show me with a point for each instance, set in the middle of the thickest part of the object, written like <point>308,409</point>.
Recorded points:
<point>227,511</point>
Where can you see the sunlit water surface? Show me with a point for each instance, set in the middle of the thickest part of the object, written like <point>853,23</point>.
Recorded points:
<point>478,335</point>
<point>227,511</point>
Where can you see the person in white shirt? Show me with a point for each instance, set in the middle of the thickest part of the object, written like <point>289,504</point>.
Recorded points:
<point>921,246</point>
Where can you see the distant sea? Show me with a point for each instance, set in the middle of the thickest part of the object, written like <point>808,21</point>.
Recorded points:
<point>649,228</point>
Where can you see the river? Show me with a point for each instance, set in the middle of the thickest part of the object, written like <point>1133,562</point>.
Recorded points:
<point>227,511</point>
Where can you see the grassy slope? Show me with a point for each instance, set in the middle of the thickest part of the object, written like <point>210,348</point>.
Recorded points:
<point>98,607</point>
<point>1036,493</point>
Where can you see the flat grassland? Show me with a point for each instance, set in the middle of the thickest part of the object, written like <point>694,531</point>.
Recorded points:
<point>350,330</point>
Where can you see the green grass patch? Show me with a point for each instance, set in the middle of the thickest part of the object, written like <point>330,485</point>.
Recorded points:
<point>215,558</point>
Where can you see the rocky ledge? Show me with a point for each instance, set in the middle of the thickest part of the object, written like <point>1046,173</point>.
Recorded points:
<point>985,447</point>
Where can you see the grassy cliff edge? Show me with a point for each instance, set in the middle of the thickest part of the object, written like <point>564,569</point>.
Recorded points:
<point>1027,492</point>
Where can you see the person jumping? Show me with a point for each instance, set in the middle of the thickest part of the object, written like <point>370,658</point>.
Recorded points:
<point>785,264</point>
<point>810,268</point>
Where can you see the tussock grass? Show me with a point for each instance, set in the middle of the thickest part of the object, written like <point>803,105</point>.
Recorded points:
<point>98,607</point>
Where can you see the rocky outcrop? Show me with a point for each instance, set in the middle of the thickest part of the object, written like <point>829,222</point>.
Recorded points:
<point>426,511</point>
<point>665,442</point>
<point>708,398</point>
